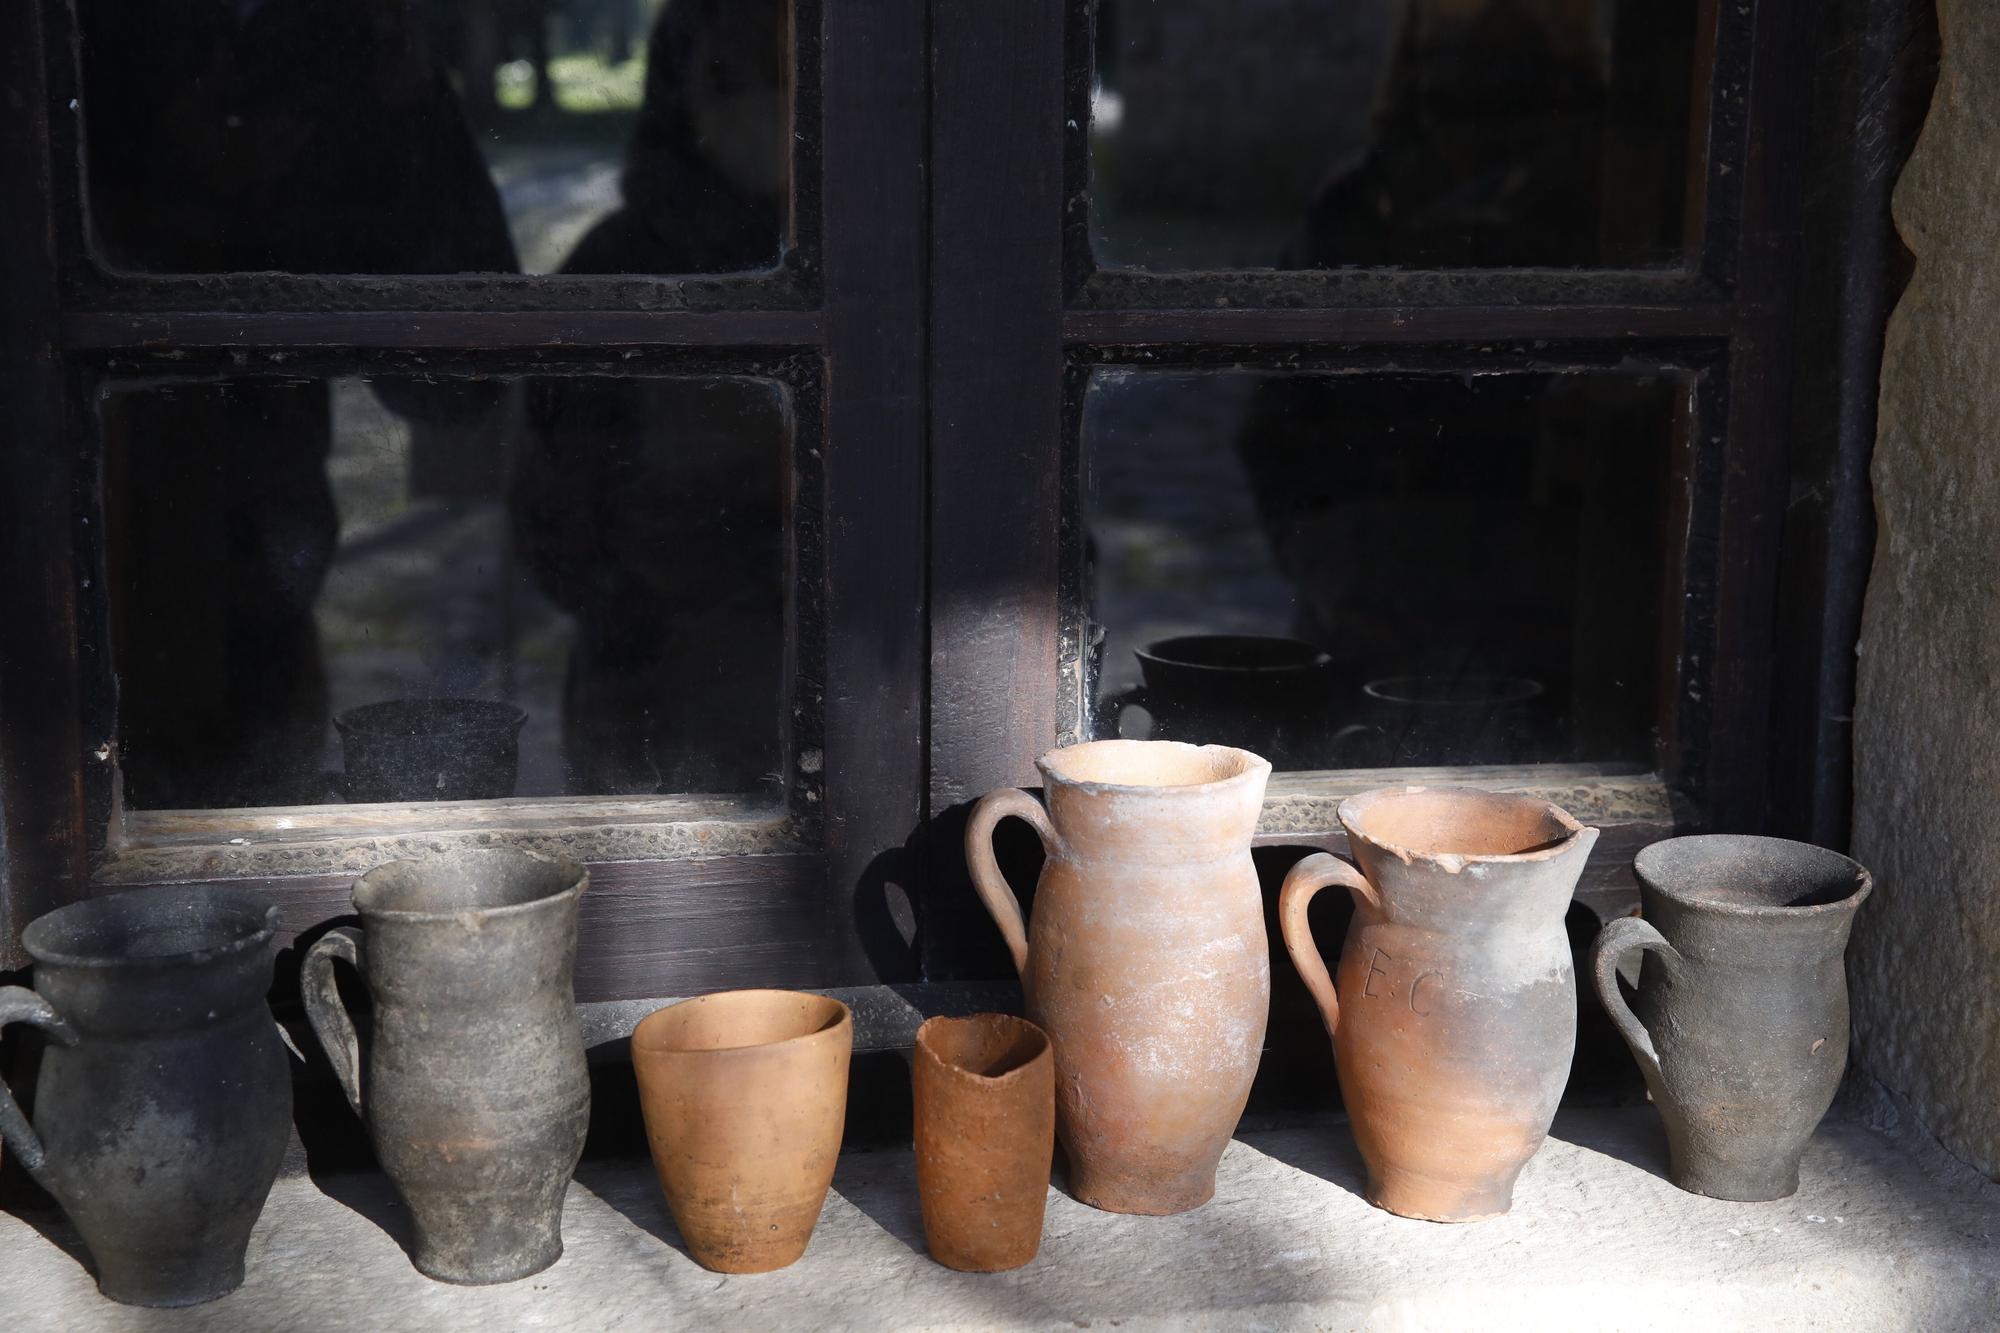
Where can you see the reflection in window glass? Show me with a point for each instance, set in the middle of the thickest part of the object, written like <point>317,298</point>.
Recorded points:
<point>1412,133</point>
<point>1348,571</point>
<point>442,136</point>
<point>395,589</point>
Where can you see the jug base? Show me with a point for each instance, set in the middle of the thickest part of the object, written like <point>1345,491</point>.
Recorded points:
<point>1736,1186</point>
<point>1141,1195</point>
<point>968,1261</point>
<point>1429,1199</point>
<point>169,1296</point>
<point>736,1255</point>
<point>486,1275</point>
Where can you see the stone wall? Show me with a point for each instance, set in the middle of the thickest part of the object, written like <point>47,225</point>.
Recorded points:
<point>1926,955</point>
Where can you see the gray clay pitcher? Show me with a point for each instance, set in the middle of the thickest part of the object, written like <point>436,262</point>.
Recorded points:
<point>165,1096</point>
<point>474,1087</point>
<point>1740,1022</point>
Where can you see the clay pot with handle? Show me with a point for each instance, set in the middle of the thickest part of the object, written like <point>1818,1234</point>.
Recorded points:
<point>164,1098</point>
<point>474,1085</point>
<point>1453,1016</point>
<point>1146,961</point>
<point>1740,1025</point>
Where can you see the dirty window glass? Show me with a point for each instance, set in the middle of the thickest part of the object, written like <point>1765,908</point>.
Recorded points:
<point>1356,571</point>
<point>374,590</point>
<point>1408,133</point>
<point>378,136</point>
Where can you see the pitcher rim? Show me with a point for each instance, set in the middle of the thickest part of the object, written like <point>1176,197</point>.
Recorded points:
<point>572,884</point>
<point>242,944</point>
<point>1354,807</point>
<point>1258,769</point>
<point>1864,881</point>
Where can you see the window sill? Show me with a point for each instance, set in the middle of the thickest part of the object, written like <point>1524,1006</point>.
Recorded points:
<point>1881,1234</point>
<point>168,845</point>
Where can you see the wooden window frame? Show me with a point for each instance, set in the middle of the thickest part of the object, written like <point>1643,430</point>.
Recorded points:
<point>1755,738</point>
<point>937,284</point>
<point>684,897</point>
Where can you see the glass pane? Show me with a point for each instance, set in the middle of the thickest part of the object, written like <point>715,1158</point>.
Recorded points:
<point>1411,133</point>
<point>374,136</point>
<point>1348,571</point>
<point>400,589</point>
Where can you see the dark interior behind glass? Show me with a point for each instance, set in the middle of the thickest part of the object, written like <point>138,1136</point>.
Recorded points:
<point>1366,570</point>
<point>597,567</point>
<point>1306,134</point>
<point>355,136</point>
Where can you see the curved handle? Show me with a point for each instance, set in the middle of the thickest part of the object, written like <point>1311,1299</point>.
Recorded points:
<point>1617,939</point>
<point>993,888</point>
<point>18,1004</point>
<point>1318,871</point>
<point>1110,721</point>
<point>1349,744</point>
<point>331,1022</point>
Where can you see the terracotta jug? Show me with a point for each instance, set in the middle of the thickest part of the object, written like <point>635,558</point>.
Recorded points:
<point>1454,1016</point>
<point>165,1095</point>
<point>985,1100</point>
<point>474,1086</point>
<point>745,1096</point>
<point>1146,962</point>
<point>1741,1022</point>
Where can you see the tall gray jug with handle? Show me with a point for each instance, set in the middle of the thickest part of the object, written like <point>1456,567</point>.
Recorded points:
<point>474,1087</point>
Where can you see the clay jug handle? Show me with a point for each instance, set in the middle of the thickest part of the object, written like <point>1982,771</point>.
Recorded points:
<point>18,1004</point>
<point>1111,711</point>
<point>993,888</point>
<point>1318,871</point>
<point>1617,939</point>
<point>331,1022</point>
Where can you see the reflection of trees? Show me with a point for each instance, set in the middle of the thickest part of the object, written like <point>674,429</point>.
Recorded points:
<point>475,37</point>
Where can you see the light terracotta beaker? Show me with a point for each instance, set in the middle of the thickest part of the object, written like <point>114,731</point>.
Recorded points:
<point>745,1096</point>
<point>985,1093</point>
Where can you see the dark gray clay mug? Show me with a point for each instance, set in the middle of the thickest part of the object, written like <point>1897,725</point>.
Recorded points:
<point>474,1088</point>
<point>164,1098</point>
<point>1740,1021</point>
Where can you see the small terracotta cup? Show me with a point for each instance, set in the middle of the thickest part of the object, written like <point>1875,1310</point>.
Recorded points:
<point>985,1090</point>
<point>745,1095</point>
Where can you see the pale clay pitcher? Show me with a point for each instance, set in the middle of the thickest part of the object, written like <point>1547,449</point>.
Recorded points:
<point>1146,961</point>
<point>1454,1015</point>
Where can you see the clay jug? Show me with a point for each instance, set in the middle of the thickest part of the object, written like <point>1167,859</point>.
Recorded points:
<point>745,1096</point>
<point>474,1087</point>
<point>165,1096</point>
<point>1146,962</point>
<point>1454,1015</point>
<point>984,1092</point>
<point>1263,693</point>
<point>1741,1017</point>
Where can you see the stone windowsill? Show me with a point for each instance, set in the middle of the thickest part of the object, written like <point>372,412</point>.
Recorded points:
<point>1885,1232</point>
